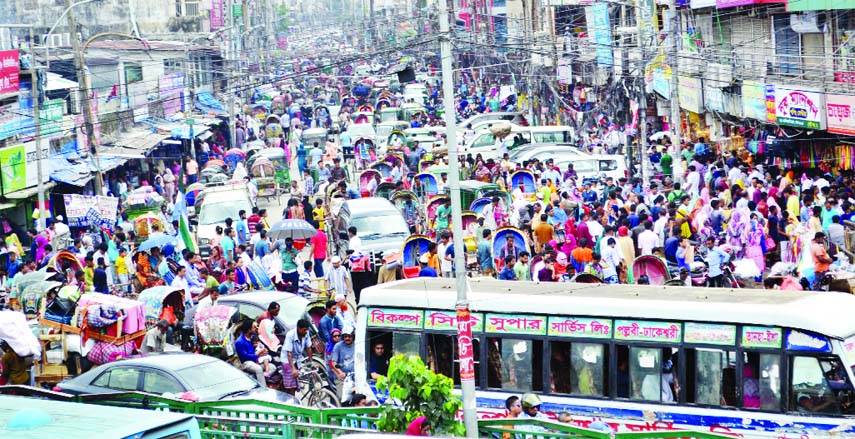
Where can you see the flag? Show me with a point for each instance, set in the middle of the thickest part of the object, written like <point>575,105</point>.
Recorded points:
<point>114,94</point>
<point>179,213</point>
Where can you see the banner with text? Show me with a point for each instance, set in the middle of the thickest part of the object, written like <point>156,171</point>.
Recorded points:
<point>84,210</point>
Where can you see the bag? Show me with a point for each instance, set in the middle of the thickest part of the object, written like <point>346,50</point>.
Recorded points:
<point>770,244</point>
<point>168,314</point>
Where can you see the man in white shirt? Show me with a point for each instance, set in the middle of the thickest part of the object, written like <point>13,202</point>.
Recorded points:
<point>338,278</point>
<point>180,281</point>
<point>659,225</point>
<point>594,227</point>
<point>693,182</point>
<point>354,243</point>
<point>208,301</point>
<point>610,260</point>
<point>648,240</point>
<point>155,338</point>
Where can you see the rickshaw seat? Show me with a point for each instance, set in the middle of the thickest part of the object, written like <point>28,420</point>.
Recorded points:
<point>410,272</point>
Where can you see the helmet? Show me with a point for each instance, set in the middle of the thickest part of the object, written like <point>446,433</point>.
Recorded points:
<point>530,400</point>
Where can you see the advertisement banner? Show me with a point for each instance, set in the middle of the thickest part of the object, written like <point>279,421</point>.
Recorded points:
<point>466,354</point>
<point>770,104</point>
<point>51,116</point>
<point>514,324</point>
<point>754,100</point>
<point>171,87</point>
<point>691,94</point>
<point>84,210</point>
<point>648,23</point>
<point>841,115</point>
<point>579,327</point>
<point>396,318</point>
<point>9,71</point>
<point>13,175</point>
<point>799,108</point>
<point>447,321</point>
<point>706,333</point>
<point>603,34</point>
<point>733,3</point>
<point>217,19</point>
<point>638,330</point>
<point>662,81</point>
<point>33,163</point>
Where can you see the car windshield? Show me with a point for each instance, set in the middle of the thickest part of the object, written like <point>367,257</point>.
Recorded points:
<point>377,226</point>
<point>216,379</point>
<point>216,213</point>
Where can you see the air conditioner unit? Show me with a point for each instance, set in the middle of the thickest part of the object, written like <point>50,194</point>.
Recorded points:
<point>59,40</point>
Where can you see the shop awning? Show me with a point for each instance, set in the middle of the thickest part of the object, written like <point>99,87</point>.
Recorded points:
<point>207,103</point>
<point>75,173</point>
<point>28,192</point>
<point>136,144</point>
<point>57,82</point>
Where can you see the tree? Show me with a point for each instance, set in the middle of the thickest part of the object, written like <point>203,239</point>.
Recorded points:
<point>418,391</point>
<point>282,19</point>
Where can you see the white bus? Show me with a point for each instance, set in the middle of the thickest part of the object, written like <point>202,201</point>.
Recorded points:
<point>749,363</point>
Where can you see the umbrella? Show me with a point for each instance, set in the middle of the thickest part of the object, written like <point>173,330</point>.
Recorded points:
<point>157,240</point>
<point>659,135</point>
<point>291,228</point>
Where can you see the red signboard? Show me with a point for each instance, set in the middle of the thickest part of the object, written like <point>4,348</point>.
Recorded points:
<point>217,20</point>
<point>9,71</point>
<point>464,344</point>
<point>844,77</point>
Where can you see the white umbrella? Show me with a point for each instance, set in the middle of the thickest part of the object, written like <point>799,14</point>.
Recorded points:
<point>291,228</point>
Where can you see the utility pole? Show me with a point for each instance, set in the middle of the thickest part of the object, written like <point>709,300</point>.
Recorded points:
<point>676,125</point>
<point>464,329</point>
<point>37,121</point>
<point>642,98</point>
<point>230,85</point>
<point>83,96</point>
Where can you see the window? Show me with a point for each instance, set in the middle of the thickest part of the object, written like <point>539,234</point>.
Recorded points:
<point>133,73</point>
<point>395,343</point>
<point>653,374</point>
<point>787,45</point>
<point>442,358</point>
<point>515,364</point>
<point>483,140</point>
<point>608,165</point>
<point>158,383</point>
<point>761,381</point>
<point>551,137</point>
<point>711,377</point>
<point>578,368</point>
<point>819,386</point>
<point>248,311</point>
<point>119,378</point>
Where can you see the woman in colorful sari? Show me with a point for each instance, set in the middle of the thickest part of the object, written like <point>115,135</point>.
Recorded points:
<point>756,244</point>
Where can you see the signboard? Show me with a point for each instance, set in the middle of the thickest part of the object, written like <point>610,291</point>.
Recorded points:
<point>217,18</point>
<point>733,3</point>
<point>171,87</point>
<point>51,116</point>
<point>799,108</point>
<point>447,321</point>
<point>647,22</point>
<point>13,168</point>
<point>705,333</point>
<point>603,33</point>
<point>662,81</point>
<point>33,163</point>
<point>691,94</point>
<point>841,115</point>
<point>9,71</point>
<point>819,5</point>
<point>515,324</point>
<point>667,332</point>
<point>84,210</point>
<point>9,120</point>
<point>847,77</point>
<point>464,344</point>
<point>396,318</point>
<point>771,116</point>
<point>803,341</point>
<point>761,337</point>
<point>698,4</point>
<point>713,99</point>
<point>560,326</point>
<point>754,100</point>
<point>237,10</point>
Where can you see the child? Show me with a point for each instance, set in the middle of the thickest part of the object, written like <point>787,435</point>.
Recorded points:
<point>122,269</point>
<point>263,360</point>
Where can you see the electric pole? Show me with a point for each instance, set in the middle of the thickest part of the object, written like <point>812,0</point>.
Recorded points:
<point>676,125</point>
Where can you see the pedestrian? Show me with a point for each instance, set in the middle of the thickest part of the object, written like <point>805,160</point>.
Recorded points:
<point>485,253</point>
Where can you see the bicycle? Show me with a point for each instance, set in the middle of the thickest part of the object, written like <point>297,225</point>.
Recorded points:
<point>312,389</point>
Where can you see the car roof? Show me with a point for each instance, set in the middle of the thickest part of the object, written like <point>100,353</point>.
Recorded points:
<point>362,205</point>
<point>171,360</point>
<point>262,298</point>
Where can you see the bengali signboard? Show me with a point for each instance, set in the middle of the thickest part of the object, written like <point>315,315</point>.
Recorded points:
<point>84,210</point>
<point>51,116</point>
<point>761,337</point>
<point>217,19</point>
<point>804,341</point>
<point>691,94</point>
<point>707,333</point>
<point>515,324</point>
<point>13,172</point>
<point>171,87</point>
<point>447,321</point>
<point>771,116</point>
<point>10,71</point>
<point>562,326</point>
<point>638,330</point>
<point>465,353</point>
<point>799,108</point>
<point>754,100</point>
<point>840,114</point>
<point>396,318</point>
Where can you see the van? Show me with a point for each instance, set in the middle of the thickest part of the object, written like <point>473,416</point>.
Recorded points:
<point>484,140</point>
<point>219,203</point>
<point>593,166</point>
<point>379,224</point>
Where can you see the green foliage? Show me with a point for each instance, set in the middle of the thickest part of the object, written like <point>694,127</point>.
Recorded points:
<point>418,391</point>
<point>282,20</point>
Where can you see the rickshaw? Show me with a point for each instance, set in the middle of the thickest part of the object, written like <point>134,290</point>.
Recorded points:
<point>586,278</point>
<point>429,185</point>
<point>425,164</point>
<point>651,266</point>
<point>525,177</point>
<point>63,257</point>
<point>232,157</point>
<point>383,167</point>
<point>160,301</point>
<point>385,189</point>
<point>430,213</point>
<point>192,193</point>
<point>322,115</point>
<point>30,278</point>
<point>314,135</point>
<point>264,175</point>
<point>365,179</point>
<point>387,113</point>
<point>414,247</point>
<point>407,110</point>
<point>472,189</point>
<point>272,126</point>
<point>33,295</point>
<point>500,240</point>
<point>396,134</point>
<point>365,108</point>
<point>16,332</point>
<point>278,105</point>
<point>211,326</point>
<point>365,151</point>
<point>470,226</point>
<point>280,164</point>
<point>363,117</point>
<point>143,225</point>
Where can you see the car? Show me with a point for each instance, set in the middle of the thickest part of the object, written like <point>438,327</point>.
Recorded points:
<point>219,203</point>
<point>538,150</point>
<point>210,379</point>
<point>379,224</point>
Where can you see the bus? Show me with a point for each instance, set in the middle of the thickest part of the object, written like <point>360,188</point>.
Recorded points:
<point>749,363</point>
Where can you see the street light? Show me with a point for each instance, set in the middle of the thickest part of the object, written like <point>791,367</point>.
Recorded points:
<point>52,28</point>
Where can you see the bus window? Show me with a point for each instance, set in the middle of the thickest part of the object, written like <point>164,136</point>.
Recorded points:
<point>515,364</point>
<point>442,358</point>
<point>400,342</point>
<point>653,373</point>
<point>587,372</point>
<point>761,381</point>
<point>711,377</point>
<point>818,386</point>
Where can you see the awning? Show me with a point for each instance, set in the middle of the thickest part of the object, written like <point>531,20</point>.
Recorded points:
<point>75,173</point>
<point>57,82</point>
<point>136,144</point>
<point>183,132</point>
<point>28,192</point>
<point>207,103</point>
<point>4,206</point>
